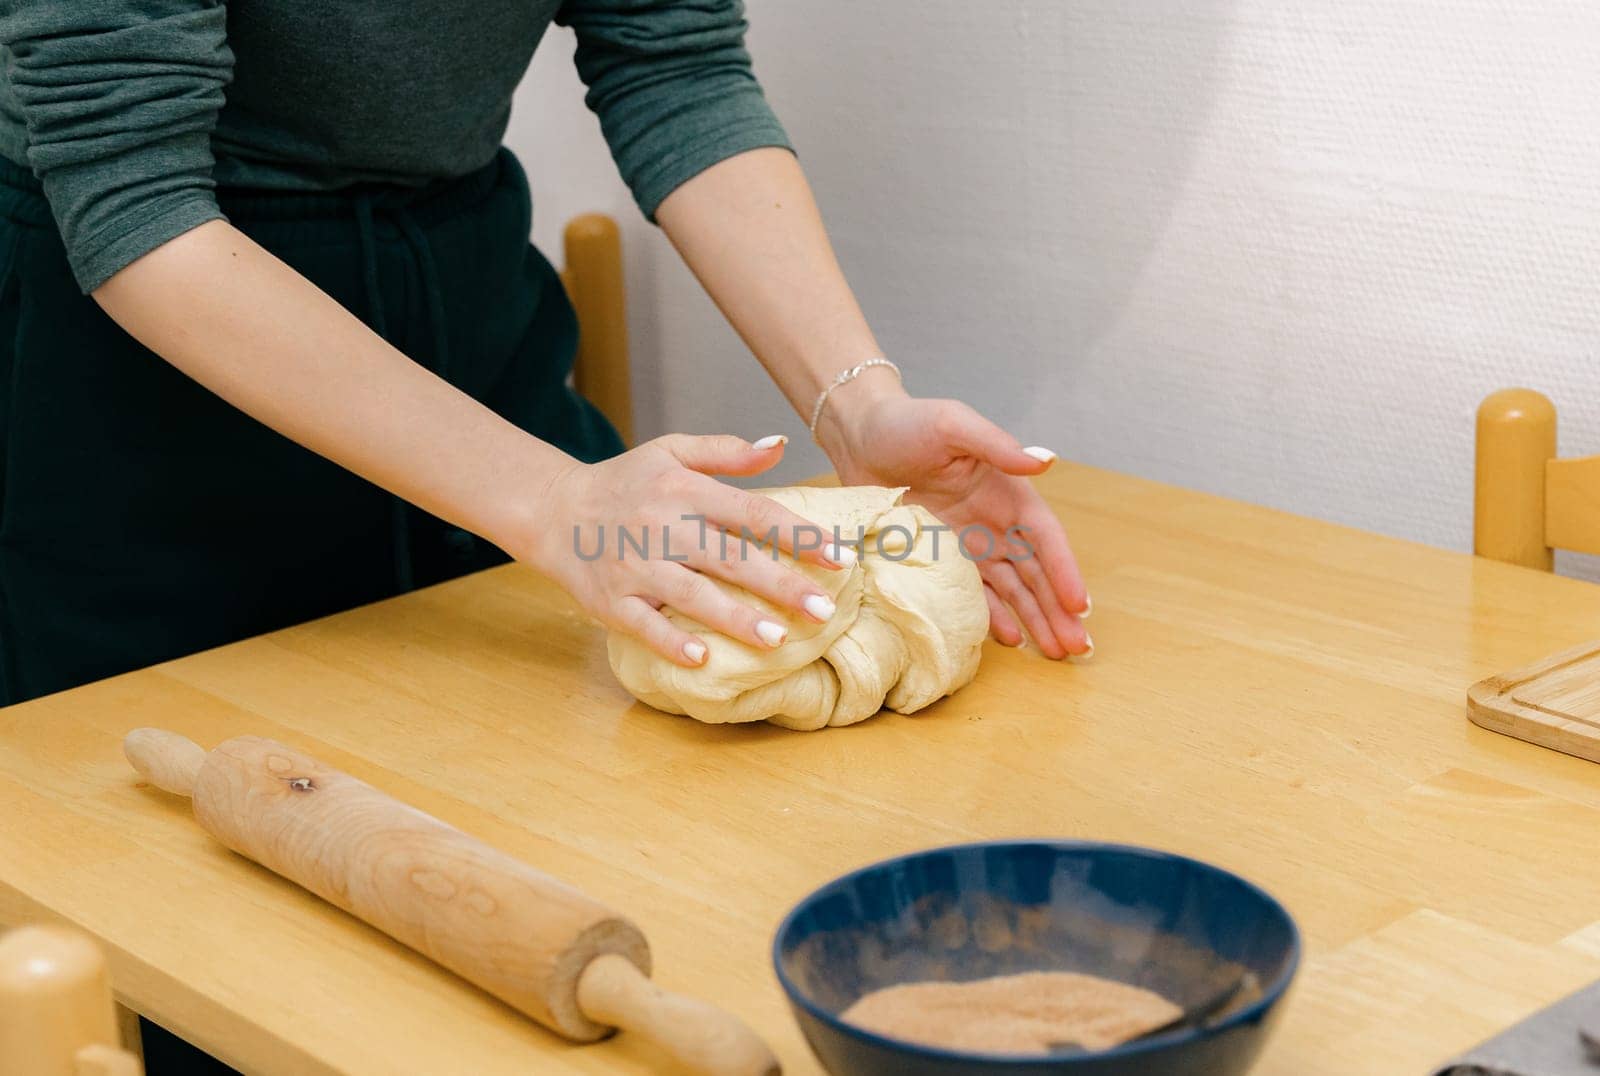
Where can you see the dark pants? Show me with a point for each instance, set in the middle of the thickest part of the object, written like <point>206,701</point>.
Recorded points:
<point>142,518</point>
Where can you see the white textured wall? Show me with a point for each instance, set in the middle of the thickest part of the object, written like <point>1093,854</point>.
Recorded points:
<point>1276,249</point>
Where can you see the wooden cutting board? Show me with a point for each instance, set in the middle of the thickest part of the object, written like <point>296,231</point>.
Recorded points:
<point>1555,702</point>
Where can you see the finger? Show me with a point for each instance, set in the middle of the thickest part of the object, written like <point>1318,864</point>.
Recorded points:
<point>1044,540</point>
<point>1002,576</point>
<point>639,618</point>
<point>757,570</point>
<point>724,453</point>
<point>761,519</point>
<point>693,594</point>
<point>961,426</point>
<point>1002,624</point>
<point>1068,631</point>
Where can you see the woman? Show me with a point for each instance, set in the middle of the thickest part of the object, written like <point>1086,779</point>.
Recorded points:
<point>302,211</point>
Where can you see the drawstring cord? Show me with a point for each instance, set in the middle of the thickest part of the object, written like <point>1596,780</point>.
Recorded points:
<point>366,206</point>
<point>432,290</point>
<point>367,233</point>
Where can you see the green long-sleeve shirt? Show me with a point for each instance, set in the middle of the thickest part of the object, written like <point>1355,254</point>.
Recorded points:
<point>131,112</point>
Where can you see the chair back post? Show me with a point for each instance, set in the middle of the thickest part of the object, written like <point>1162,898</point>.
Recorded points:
<point>1516,440</point>
<point>593,276</point>
<point>57,1016</point>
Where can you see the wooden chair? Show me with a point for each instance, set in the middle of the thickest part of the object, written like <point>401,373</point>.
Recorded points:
<point>593,278</point>
<point>1527,502</point>
<point>57,1016</point>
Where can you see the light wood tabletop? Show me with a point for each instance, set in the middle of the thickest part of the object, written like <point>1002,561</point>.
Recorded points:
<point>1279,696</point>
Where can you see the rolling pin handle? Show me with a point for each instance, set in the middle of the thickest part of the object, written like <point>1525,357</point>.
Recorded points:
<point>700,1037</point>
<point>165,759</point>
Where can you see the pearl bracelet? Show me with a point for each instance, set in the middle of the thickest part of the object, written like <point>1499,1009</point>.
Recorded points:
<point>844,379</point>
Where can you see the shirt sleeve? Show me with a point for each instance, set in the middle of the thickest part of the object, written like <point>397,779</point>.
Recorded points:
<point>119,98</point>
<point>672,85</point>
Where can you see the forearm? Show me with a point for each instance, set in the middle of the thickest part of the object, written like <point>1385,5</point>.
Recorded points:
<point>749,229</point>
<point>255,332</point>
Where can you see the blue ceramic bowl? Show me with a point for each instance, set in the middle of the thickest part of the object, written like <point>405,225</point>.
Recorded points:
<point>1173,925</point>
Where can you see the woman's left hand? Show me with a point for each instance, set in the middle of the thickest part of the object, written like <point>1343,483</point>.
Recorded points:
<point>969,473</point>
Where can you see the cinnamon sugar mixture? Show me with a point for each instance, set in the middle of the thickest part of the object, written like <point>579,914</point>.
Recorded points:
<point>1015,1014</point>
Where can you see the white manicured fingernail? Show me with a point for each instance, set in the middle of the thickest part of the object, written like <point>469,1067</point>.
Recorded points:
<point>772,634</point>
<point>695,651</point>
<point>1087,654</point>
<point>842,555</point>
<point>820,606</point>
<point>1043,455</point>
<point>1088,607</point>
<point>772,440</point>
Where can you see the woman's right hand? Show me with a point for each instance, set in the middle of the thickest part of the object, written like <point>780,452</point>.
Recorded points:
<point>661,497</point>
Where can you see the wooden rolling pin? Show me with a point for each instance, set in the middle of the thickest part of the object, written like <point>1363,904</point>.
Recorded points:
<point>534,942</point>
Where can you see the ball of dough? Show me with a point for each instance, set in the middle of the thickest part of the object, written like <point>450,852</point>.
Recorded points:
<point>909,627</point>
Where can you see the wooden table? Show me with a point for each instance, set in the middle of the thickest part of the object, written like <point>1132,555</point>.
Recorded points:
<point>1279,696</point>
